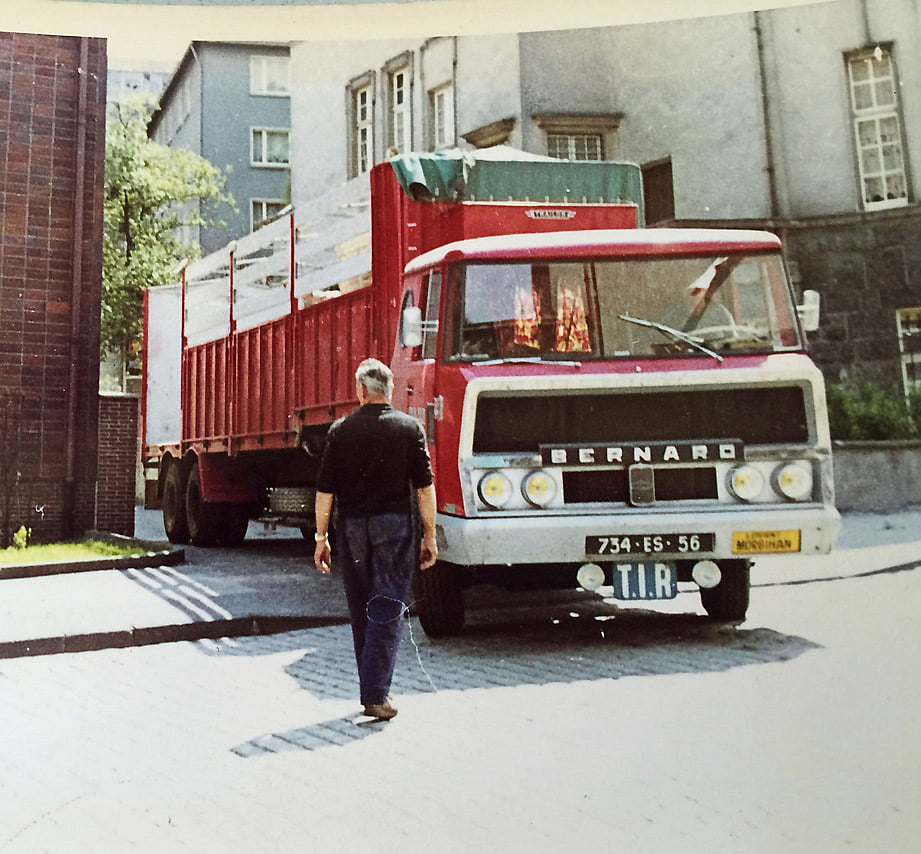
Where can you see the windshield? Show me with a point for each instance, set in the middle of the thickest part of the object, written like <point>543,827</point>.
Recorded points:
<point>624,308</point>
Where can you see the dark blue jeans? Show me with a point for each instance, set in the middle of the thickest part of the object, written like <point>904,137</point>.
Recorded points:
<point>377,558</point>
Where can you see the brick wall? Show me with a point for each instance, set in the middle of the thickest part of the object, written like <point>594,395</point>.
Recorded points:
<point>52,146</point>
<point>118,463</point>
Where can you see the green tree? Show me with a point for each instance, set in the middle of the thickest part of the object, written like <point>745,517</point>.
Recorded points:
<point>151,192</point>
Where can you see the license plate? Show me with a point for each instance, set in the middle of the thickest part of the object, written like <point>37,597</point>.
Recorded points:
<point>765,542</point>
<point>649,544</point>
<point>645,581</point>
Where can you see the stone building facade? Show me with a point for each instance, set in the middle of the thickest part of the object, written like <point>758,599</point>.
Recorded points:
<point>804,120</point>
<point>52,104</point>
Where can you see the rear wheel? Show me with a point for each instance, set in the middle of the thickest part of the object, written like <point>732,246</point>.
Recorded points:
<point>729,599</point>
<point>439,601</point>
<point>203,517</point>
<point>175,522</point>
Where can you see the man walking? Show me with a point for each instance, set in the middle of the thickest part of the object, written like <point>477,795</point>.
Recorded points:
<point>374,459</point>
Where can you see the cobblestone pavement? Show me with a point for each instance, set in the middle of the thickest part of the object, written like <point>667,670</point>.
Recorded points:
<point>544,728</point>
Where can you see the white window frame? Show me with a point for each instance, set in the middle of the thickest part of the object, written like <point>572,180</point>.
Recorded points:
<point>877,124</point>
<point>575,131</point>
<point>363,123</point>
<point>263,133</point>
<point>576,146</point>
<point>254,220</point>
<point>908,325</point>
<point>441,99</point>
<point>264,79</point>
<point>401,109</point>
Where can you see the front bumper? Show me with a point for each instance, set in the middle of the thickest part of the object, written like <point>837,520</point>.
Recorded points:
<point>541,538</point>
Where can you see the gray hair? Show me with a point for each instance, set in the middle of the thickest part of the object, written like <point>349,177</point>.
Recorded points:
<point>375,376</point>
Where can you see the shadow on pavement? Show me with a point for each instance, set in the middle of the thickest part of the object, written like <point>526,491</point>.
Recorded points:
<point>557,643</point>
<point>333,733</point>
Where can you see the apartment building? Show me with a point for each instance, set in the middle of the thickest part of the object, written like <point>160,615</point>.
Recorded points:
<point>230,103</point>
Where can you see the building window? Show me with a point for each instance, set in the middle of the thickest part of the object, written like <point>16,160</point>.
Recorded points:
<point>262,210</point>
<point>575,146</point>
<point>269,147</point>
<point>877,129</point>
<point>579,137</point>
<point>268,75</point>
<point>361,124</point>
<point>908,323</point>
<point>400,111</point>
<point>442,105</point>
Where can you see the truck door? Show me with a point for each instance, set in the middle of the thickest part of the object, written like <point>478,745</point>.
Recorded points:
<point>414,366</point>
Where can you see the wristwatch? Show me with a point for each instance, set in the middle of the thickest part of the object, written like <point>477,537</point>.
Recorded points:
<point>319,538</point>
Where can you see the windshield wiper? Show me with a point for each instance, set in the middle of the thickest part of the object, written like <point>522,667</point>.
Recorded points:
<point>676,334</point>
<point>527,360</point>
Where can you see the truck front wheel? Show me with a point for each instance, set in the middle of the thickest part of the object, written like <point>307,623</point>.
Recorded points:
<point>175,522</point>
<point>204,524</point>
<point>728,601</point>
<point>439,603</point>
<point>233,524</point>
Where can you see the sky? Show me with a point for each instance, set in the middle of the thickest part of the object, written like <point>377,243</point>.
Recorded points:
<point>153,34</point>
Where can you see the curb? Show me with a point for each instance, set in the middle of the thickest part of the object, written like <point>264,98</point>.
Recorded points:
<point>166,557</point>
<point>212,630</point>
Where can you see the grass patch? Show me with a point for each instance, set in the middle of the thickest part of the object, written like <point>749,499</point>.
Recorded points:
<point>64,552</point>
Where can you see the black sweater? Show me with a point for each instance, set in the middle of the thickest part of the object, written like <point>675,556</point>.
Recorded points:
<point>373,458</point>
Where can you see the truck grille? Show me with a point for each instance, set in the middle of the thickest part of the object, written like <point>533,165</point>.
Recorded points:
<point>612,485</point>
<point>757,416</point>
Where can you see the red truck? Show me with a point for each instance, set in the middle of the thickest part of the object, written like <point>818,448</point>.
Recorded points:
<point>606,405</point>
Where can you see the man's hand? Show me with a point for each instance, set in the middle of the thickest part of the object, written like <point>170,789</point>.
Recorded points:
<point>428,552</point>
<point>322,557</point>
<point>323,508</point>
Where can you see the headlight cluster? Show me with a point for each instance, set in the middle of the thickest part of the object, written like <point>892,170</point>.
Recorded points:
<point>789,481</point>
<point>538,488</point>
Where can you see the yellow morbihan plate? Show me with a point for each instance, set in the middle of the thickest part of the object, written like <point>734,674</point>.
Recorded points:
<point>765,542</point>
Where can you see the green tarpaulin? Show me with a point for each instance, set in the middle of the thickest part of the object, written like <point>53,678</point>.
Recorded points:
<point>504,174</point>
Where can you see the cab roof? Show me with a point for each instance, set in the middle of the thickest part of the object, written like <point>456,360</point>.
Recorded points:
<point>598,244</point>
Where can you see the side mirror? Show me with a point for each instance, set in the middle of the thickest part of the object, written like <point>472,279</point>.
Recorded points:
<point>411,327</point>
<point>809,311</point>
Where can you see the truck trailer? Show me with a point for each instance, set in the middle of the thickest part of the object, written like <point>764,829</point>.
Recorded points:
<point>606,405</point>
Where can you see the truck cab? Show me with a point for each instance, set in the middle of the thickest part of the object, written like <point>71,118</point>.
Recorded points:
<point>634,407</point>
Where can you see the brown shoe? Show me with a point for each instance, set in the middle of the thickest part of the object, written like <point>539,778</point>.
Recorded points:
<point>380,711</point>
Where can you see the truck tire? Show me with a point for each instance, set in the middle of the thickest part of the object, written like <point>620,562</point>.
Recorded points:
<point>439,600</point>
<point>234,520</point>
<point>728,601</point>
<point>202,516</point>
<point>175,522</point>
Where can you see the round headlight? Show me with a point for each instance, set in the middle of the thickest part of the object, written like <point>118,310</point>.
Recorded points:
<point>495,490</point>
<point>538,488</point>
<point>792,481</point>
<point>746,483</point>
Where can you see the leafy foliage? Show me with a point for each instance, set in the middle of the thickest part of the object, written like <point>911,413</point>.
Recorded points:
<point>151,191</point>
<point>873,413</point>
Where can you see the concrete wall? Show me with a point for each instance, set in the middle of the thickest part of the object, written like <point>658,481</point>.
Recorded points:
<point>52,97</point>
<point>877,477</point>
<point>320,110</point>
